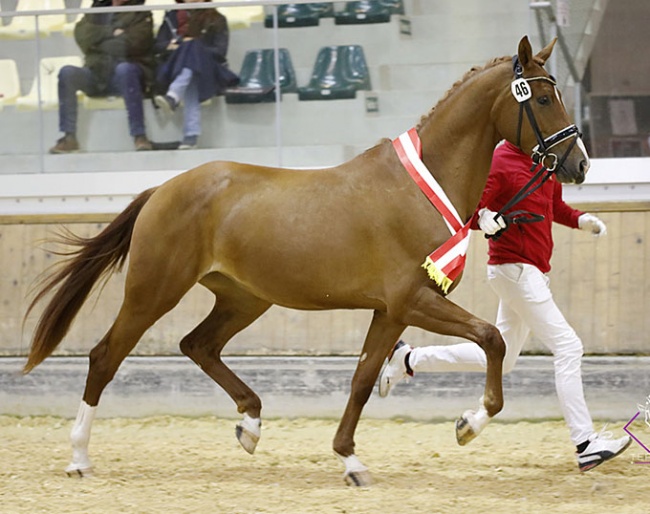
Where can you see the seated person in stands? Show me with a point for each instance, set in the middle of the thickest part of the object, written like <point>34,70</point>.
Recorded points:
<point>192,46</point>
<point>118,51</point>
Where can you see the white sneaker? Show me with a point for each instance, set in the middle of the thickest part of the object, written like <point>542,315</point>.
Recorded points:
<point>601,448</point>
<point>396,368</point>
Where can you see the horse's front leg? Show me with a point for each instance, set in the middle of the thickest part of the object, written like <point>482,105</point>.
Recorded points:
<point>382,335</point>
<point>435,313</point>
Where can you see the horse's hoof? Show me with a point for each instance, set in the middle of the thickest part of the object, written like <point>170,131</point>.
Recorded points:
<point>356,474</point>
<point>471,424</point>
<point>358,479</point>
<point>74,470</point>
<point>464,431</point>
<point>249,431</point>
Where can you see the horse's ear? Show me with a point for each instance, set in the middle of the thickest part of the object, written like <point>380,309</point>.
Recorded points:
<point>525,52</point>
<point>545,53</point>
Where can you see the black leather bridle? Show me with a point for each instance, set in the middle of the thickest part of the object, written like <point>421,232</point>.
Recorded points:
<point>541,154</point>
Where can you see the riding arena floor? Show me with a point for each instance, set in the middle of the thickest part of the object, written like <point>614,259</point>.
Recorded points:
<point>189,465</point>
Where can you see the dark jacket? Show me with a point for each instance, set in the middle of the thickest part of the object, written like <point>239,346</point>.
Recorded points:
<point>103,50</point>
<point>204,54</point>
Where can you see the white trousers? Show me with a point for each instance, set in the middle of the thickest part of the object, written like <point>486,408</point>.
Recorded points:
<point>525,305</point>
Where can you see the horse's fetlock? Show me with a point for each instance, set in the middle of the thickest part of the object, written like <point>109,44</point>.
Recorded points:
<point>492,405</point>
<point>343,444</point>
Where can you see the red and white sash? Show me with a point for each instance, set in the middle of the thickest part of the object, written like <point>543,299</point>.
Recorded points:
<point>446,262</point>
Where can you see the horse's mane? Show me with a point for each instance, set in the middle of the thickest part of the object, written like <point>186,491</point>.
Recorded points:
<point>469,74</point>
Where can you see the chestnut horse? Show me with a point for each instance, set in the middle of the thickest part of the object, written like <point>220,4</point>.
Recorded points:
<point>348,237</point>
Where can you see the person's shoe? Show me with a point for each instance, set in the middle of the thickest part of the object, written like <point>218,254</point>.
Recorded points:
<point>396,368</point>
<point>67,144</point>
<point>142,144</point>
<point>600,449</point>
<point>166,102</point>
<point>189,143</point>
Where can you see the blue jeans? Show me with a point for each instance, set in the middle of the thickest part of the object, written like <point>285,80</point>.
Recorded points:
<point>125,82</point>
<point>186,88</point>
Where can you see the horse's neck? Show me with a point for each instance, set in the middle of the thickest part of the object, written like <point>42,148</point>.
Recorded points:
<point>457,144</point>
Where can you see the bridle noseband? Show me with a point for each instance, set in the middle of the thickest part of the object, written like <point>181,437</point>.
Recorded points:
<point>541,154</point>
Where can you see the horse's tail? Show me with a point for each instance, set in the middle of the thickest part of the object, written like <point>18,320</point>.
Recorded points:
<point>95,257</point>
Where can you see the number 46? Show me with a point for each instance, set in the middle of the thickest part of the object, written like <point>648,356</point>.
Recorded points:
<point>520,90</point>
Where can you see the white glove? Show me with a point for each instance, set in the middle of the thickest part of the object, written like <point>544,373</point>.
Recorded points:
<point>488,224</point>
<point>590,222</point>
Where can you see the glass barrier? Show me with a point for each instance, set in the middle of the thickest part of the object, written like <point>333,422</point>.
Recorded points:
<point>598,71</point>
<point>350,73</point>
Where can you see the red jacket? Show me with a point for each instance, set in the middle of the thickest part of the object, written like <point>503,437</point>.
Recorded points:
<point>530,243</point>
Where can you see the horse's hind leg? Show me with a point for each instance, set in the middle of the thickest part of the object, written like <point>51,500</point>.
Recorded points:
<point>144,303</point>
<point>105,359</point>
<point>234,310</point>
<point>382,335</point>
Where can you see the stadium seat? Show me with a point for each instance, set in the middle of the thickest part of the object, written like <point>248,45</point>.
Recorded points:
<point>394,6</point>
<point>48,71</point>
<point>24,27</point>
<point>242,17</point>
<point>363,11</point>
<point>103,102</point>
<point>159,14</point>
<point>257,77</point>
<point>9,82</point>
<point>339,72</point>
<point>300,15</point>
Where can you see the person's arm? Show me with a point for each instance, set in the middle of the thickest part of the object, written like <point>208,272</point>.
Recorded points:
<point>90,35</point>
<point>217,44</point>
<point>484,216</point>
<point>166,34</point>
<point>566,215</point>
<point>132,36</point>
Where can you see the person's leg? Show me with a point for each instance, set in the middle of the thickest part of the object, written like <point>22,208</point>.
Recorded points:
<point>178,88</point>
<point>538,309</point>
<point>191,115</point>
<point>504,281</point>
<point>127,82</point>
<point>70,80</point>
<point>175,92</point>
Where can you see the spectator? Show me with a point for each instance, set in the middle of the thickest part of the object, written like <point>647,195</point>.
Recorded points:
<point>192,46</point>
<point>518,262</point>
<point>118,61</point>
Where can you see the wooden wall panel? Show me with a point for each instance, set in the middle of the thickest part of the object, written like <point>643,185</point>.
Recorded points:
<point>598,283</point>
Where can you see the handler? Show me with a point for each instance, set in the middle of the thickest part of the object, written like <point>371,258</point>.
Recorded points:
<point>519,259</point>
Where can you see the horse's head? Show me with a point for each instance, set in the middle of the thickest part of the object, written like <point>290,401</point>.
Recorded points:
<point>532,116</point>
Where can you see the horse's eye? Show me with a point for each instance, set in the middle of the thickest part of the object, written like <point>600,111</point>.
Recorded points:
<point>543,100</point>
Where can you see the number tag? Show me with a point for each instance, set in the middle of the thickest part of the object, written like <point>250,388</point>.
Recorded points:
<point>520,90</point>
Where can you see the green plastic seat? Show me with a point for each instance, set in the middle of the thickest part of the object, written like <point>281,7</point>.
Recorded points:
<point>394,6</point>
<point>257,77</point>
<point>339,72</point>
<point>361,12</point>
<point>300,15</point>
<point>324,9</point>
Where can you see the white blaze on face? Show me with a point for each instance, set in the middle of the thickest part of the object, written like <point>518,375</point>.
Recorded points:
<point>581,145</point>
<point>579,142</point>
